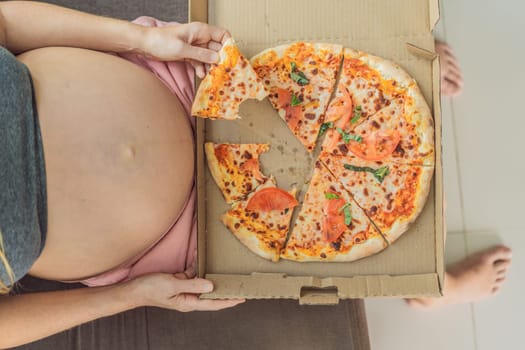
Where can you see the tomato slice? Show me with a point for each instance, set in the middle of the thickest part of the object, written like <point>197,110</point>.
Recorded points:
<point>377,145</point>
<point>341,107</point>
<point>252,166</point>
<point>333,224</point>
<point>293,114</point>
<point>271,198</point>
<point>341,112</point>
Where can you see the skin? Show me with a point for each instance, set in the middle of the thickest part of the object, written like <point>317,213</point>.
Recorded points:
<point>475,278</point>
<point>119,161</point>
<point>451,75</point>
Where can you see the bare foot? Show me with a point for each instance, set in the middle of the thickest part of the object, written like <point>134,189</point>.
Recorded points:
<point>478,276</point>
<point>451,77</point>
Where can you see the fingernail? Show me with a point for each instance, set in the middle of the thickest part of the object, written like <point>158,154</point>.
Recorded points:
<point>214,57</point>
<point>208,287</point>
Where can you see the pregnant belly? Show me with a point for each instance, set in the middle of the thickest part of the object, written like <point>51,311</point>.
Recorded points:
<point>119,159</point>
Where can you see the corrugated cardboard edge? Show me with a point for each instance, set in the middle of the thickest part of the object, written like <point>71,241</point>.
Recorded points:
<point>433,13</point>
<point>312,290</point>
<point>198,11</point>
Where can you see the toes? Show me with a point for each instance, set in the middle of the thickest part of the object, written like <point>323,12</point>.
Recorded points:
<point>500,280</point>
<point>416,303</point>
<point>497,253</point>
<point>450,88</point>
<point>501,273</point>
<point>500,265</point>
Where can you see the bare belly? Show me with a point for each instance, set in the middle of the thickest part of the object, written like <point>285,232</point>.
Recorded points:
<point>119,159</point>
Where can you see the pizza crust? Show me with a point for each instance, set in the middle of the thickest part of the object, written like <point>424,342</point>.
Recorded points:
<point>371,246</point>
<point>417,109</point>
<point>401,225</point>
<point>247,238</point>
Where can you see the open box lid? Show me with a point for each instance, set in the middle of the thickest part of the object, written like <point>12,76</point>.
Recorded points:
<point>399,30</point>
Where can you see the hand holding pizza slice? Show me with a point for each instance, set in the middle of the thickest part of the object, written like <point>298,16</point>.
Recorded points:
<point>227,85</point>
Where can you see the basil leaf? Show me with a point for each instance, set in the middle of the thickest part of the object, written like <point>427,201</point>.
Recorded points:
<point>379,173</point>
<point>347,213</point>
<point>324,127</point>
<point>329,195</point>
<point>298,76</point>
<point>295,101</point>
<point>357,115</point>
<point>347,137</point>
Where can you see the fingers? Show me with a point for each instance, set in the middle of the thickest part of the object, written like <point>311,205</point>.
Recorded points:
<point>217,34</point>
<point>215,46</point>
<point>201,72</point>
<point>199,33</point>
<point>193,303</point>
<point>199,54</point>
<point>193,286</point>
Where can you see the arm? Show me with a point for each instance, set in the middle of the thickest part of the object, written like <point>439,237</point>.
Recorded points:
<point>29,317</point>
<point>30,25</point>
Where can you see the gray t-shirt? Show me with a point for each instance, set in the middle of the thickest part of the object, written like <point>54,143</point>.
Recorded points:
<point>23,206</point>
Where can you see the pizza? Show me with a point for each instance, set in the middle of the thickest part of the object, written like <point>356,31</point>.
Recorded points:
<point>262,220</point>
<point>235,168</point>
<point>227,85</point>
<point>392,195</point>
<point>330,225</point>
<point>373,172</point>
<point>300,78</point>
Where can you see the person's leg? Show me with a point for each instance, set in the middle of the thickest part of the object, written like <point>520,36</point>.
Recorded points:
<point>451,76</point>
<point>478,276</point>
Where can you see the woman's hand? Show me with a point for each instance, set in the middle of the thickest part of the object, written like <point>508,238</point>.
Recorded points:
<point>176,292</point>
<point>196,42</point>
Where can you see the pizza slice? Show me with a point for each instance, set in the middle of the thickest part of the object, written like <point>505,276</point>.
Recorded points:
<point>262,220</point>
<point>235,168</point>
<point>300,78</point>
<point>399,133</point>
<point>330,226</point>
<point>392,195</point>
<point>227,85</point>
<point>372,83</point>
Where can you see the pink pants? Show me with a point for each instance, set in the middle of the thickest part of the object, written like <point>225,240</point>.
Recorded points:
<point>176,249</point>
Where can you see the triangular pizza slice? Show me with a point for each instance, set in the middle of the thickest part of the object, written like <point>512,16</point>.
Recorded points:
<point>235,168</point>
<point>262,220</point>
<point>392,195</point>
<point>300,78</point>
<point>227,85</point>
<point>330,226</point>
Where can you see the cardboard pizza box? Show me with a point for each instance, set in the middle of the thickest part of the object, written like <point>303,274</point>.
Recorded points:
<point>399,30</point>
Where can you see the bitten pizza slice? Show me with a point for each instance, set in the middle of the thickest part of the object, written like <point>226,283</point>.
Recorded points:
<point>300,78</point>
<point>262,220</point>
<point>392,195</point>
<point>227,85</point>
<point>235,168</point>
<point>330,226</point>
<point>401,132</point>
